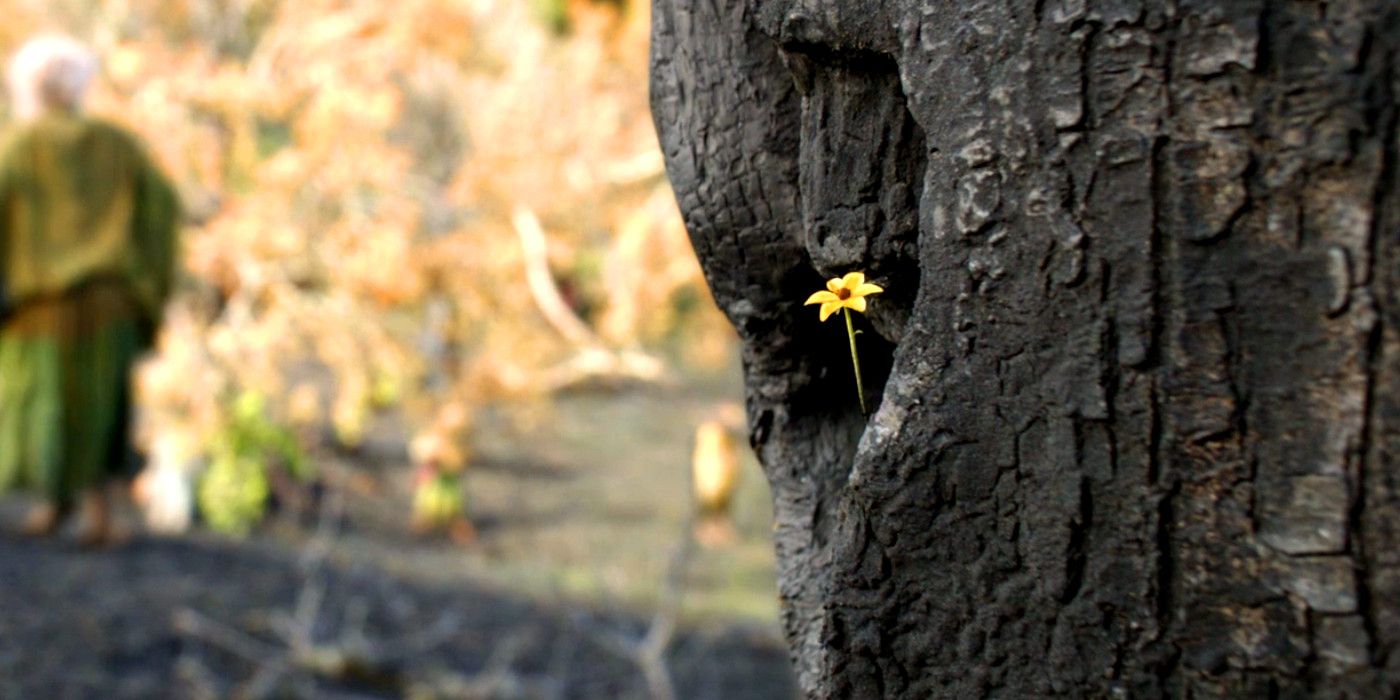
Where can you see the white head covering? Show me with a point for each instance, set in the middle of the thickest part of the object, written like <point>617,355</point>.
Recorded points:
<point>50,72</point>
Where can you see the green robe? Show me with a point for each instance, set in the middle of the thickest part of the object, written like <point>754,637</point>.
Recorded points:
<point>87,249</point>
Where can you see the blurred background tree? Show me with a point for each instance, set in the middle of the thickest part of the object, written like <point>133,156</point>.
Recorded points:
<point>430,205</point>
<point>434,290</point>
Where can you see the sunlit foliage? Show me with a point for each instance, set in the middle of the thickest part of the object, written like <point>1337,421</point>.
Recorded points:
<point>356,173</point>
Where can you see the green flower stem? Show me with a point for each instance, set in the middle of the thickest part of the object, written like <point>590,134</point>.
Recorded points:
<point>855,360</point>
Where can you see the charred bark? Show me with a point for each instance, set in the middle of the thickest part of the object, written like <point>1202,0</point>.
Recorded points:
<point>1137,425</point>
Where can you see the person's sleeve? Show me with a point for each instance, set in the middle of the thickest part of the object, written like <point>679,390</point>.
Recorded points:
<point>155,233</point>
<point>6,196</point>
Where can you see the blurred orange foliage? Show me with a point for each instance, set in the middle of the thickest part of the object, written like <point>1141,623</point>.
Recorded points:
<point>354,171</point>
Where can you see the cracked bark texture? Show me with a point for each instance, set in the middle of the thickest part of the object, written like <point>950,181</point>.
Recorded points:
<point>1136,372</point>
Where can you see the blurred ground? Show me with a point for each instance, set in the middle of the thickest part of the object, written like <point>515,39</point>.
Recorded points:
<point>577,518</point>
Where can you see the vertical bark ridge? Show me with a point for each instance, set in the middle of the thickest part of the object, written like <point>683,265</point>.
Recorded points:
<point>1377,507</point>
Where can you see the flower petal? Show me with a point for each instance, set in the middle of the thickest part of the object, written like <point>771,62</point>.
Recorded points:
<point>856,303</point>
<point>834,284</point>
<point>820,297</point>
<point>830,308</point>
<point>853,280</point>
<point>867,288</point>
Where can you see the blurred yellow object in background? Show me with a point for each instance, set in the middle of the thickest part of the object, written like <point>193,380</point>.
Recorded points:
<point>439,456</point>
<point>164,490</point>
<point>439,505</point>
<point>304,405</point>
<point>715,478</point>
<point>349,416</point>
<point>441,445</point>
<point>438,449</point>
<point>438,501</point>
<point>715,467</point>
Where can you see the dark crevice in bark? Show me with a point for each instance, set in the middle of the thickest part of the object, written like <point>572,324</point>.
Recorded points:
<point>862,164</point>
<point>1161,475</point>
<point>1356,514</point>
<point>1169,659</point>
<point>1384,101</point>
<point>1075,554</point>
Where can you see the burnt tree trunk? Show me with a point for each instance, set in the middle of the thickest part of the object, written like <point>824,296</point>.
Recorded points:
<point>1137,366</point>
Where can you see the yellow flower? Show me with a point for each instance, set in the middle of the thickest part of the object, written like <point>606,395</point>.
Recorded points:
<point>844,292</point>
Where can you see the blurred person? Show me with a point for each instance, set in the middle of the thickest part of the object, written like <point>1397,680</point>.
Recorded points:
<point>87,240</point>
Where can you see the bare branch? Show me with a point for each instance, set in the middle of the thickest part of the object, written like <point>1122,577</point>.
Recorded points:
<point>193,624</point>
<point>535,247</point>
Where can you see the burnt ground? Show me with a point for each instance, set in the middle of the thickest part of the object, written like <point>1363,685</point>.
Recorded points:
<point>577,516</point>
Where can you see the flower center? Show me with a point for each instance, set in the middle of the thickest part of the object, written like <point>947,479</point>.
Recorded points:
<point>843,294</point>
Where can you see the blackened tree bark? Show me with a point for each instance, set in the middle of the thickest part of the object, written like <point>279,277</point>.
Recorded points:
<point>1136,371</point>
